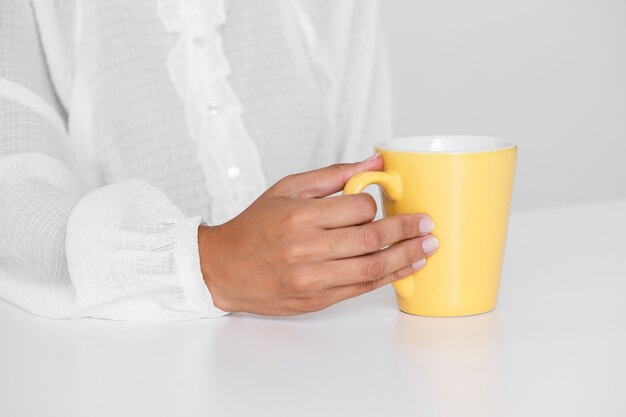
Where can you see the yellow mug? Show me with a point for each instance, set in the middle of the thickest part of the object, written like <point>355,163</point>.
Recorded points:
<point>464,183</point>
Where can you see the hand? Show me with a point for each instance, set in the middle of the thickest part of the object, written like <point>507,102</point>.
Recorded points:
<point>293,252</point>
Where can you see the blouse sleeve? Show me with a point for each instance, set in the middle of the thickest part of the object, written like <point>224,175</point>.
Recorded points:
<point>122,251</point>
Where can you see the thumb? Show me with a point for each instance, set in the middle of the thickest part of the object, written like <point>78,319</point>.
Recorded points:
<point>325,181</point>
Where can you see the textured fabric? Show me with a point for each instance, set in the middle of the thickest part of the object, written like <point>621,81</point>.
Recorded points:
<point>125,124</point>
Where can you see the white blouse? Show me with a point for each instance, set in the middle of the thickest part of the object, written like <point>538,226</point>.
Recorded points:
<point>125,124</point>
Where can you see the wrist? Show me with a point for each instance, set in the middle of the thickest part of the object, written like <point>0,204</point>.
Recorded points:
<point>204,233</point>
<point>208,252</point>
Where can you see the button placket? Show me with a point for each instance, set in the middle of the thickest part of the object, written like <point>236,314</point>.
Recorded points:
<point>199,71</point>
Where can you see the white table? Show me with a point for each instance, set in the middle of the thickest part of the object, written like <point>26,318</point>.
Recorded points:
<point>554,346</point>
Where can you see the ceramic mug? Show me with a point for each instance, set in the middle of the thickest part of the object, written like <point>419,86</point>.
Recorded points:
<point>464,183</point>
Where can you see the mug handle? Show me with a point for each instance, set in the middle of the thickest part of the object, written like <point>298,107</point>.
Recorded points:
<point>391,185</point>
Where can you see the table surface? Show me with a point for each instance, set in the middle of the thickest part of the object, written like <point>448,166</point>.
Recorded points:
<point>554,346</point>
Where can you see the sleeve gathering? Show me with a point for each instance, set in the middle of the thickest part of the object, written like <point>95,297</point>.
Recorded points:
<point>131,254</point>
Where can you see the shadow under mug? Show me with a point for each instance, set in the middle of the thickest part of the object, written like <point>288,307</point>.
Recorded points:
<point>464,183</point>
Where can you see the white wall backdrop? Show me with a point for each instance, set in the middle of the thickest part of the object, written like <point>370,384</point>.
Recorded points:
<point>550,74</point>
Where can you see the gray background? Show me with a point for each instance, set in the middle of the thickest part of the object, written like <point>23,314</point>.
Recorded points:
<point>549,74</point>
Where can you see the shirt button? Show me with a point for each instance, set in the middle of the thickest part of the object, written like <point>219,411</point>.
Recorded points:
<point>214,109</point>
<point>233,172</point>
<point>198,40</point>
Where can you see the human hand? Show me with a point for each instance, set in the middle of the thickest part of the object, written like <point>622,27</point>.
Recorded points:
<point>292,251</point>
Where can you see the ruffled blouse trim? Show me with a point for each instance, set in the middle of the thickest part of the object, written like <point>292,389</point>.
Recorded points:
<point>199,71</point>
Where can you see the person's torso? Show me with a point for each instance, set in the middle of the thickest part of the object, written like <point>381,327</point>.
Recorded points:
<point>205,100</point>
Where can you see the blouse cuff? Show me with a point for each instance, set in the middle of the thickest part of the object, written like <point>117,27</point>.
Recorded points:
<point>188,257</point>
<point>133,255</point>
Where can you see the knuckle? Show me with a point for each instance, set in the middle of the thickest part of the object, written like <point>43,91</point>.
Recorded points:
<point>339,171</point>
<point>410,252</point>
<point>282,184</point>
<point>394,276</point>
<point>295,252</point>
<point>371,238</point>
<point>369,286</point>
<point>287,179</point>
<point>374,268</point>
<point>300,283</point>
<point>401,274</point>
<point>408,227</point>
<point>336,168</point>
<point>295,216</point>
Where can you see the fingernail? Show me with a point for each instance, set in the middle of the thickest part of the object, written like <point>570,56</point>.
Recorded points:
<point>371,158</point>
<point>419,264</point>
<point>430,244</point>
<point>426,225</point>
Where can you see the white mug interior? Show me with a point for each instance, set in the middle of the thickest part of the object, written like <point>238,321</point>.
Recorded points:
<point>446,144</point>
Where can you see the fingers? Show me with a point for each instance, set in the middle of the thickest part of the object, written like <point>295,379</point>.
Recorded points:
<point>345,292</point>
<point>367,268</point>
<point>318,299</point>
<point>345,210</point>
<point>325,181</point>
<point>370,237</point>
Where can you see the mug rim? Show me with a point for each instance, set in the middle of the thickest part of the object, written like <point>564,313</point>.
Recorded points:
<point>388,145</point>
